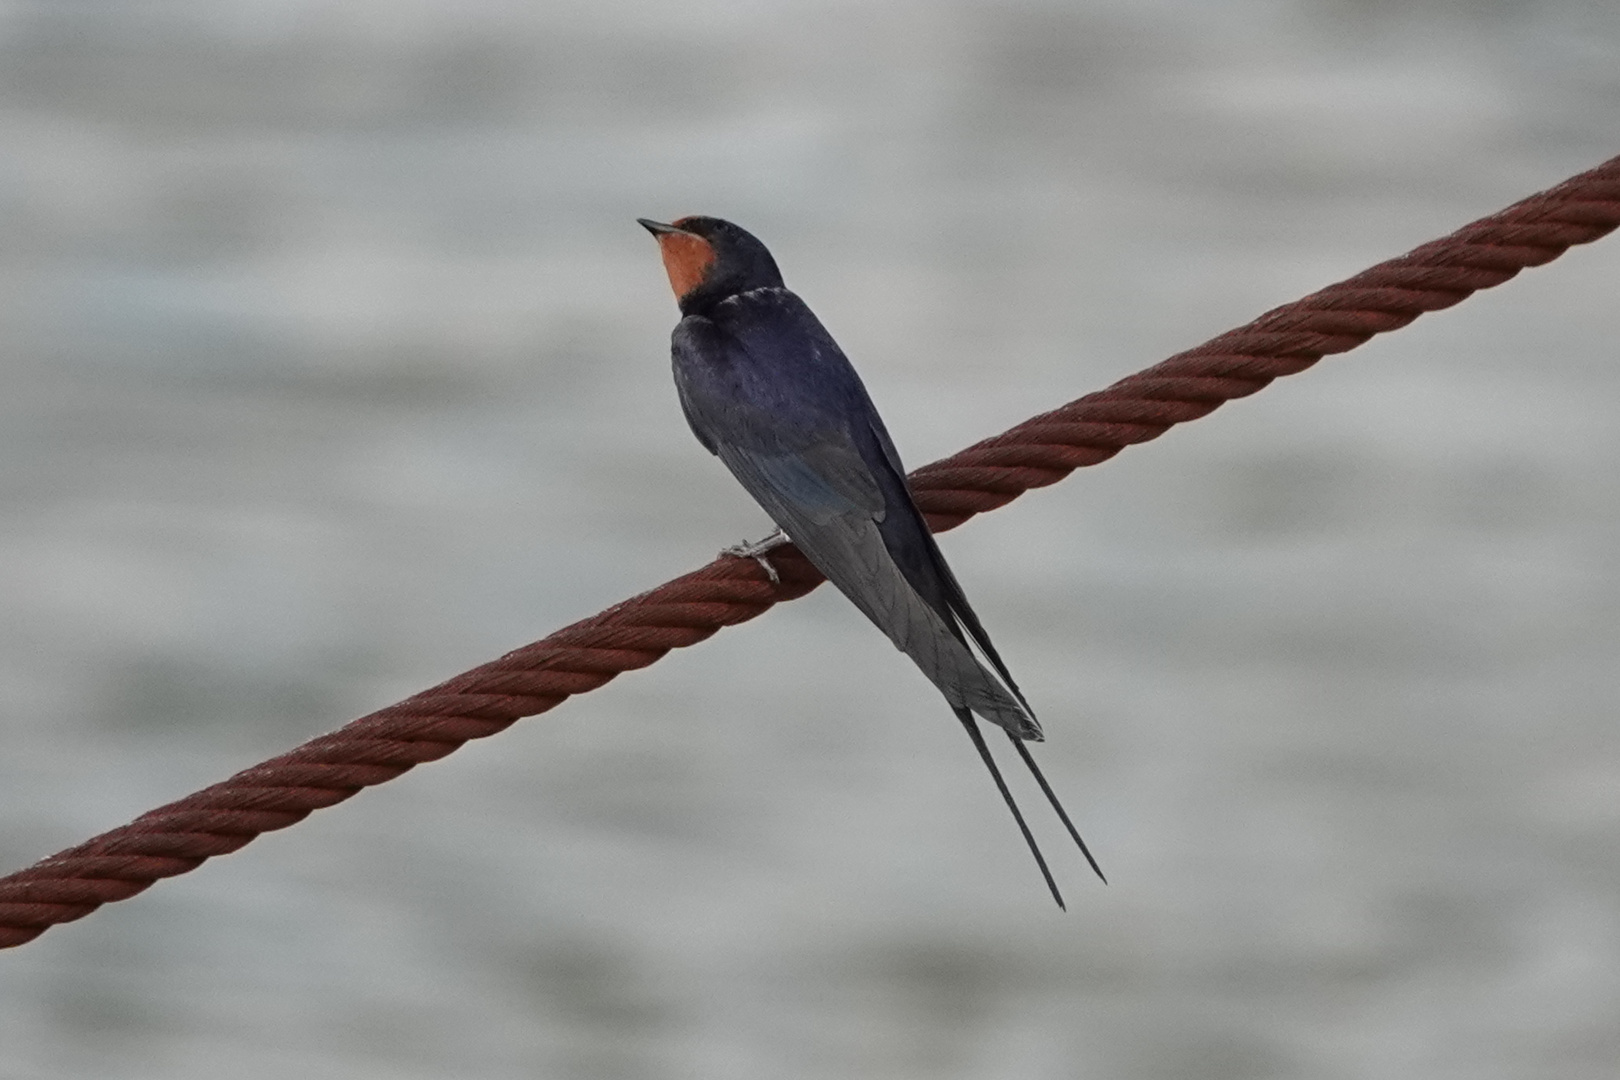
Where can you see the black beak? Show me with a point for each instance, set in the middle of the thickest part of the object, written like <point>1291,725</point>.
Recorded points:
<point>657,228</point>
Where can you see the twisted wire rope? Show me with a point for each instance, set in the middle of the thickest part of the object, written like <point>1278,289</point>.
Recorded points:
<point>274,794</point>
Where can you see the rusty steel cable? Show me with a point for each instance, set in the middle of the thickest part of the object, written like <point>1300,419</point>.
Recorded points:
<point>427,726</point>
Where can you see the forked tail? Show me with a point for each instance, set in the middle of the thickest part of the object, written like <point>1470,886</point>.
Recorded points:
<point>971,724</point>
<point>977,736</point>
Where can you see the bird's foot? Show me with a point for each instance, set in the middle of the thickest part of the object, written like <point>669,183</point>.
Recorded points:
<point>757,550</point>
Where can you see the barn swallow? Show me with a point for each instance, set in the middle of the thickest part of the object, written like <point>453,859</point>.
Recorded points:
<point>767,390</point>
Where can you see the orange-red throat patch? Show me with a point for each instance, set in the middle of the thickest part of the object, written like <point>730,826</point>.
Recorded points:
<point>687,259</point>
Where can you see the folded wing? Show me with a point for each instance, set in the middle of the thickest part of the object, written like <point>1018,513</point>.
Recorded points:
<point>830,503</point>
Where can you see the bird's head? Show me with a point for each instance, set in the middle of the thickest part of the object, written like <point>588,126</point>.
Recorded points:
<point>708,260</point>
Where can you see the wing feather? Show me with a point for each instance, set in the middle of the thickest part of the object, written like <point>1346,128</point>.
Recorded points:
<point>849,547</point>
<point>790,419</point>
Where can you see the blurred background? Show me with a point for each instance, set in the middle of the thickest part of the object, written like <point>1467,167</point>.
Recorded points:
<point>335,363</point>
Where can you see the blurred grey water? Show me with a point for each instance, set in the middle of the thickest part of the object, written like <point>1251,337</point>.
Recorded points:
<point>334,363</point>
